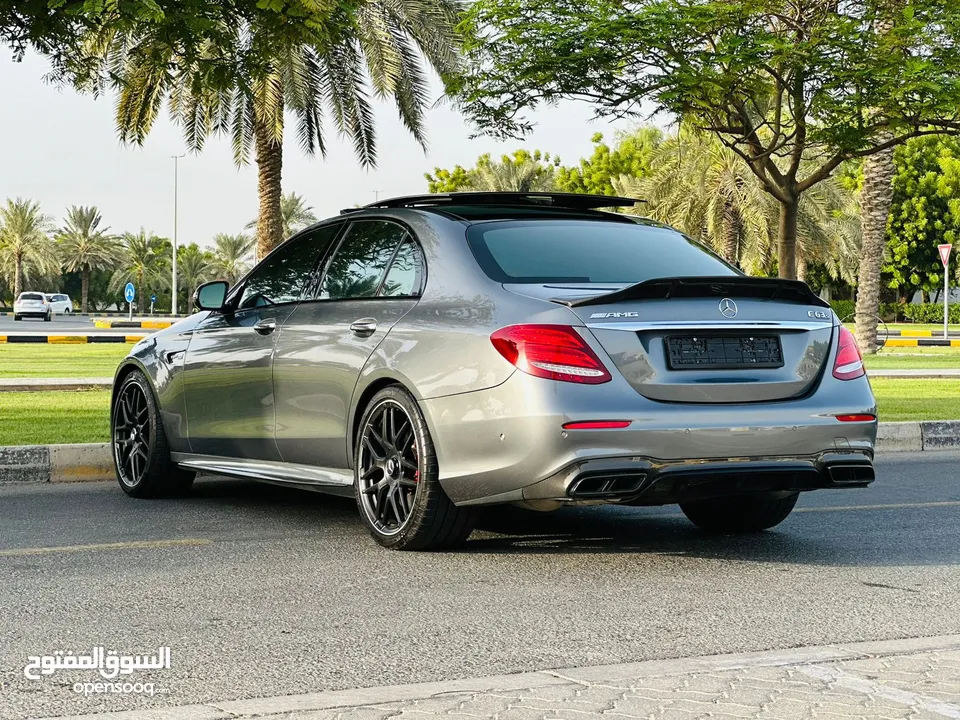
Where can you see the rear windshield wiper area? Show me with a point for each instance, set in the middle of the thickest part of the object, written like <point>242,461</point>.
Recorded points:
<point>792,291</point>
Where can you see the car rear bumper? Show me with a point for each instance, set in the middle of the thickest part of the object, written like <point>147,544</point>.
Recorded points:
<point>31,312</point>
<point>507,444</point>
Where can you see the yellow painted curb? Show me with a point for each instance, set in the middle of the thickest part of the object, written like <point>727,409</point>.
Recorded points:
<point>133,339</point>
<point>955,343</point>
<point>67,339</point>
<point>103,324</point>
<point>156,324</point>
<point>901,342</point>
<point>916,333</point>
<point>3,338</point>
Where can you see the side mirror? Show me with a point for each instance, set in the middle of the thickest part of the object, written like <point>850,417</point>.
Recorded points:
<point>211,295</point>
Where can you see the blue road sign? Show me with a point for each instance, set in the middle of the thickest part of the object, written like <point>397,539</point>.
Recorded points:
<point>129,293</point>
<point>153,298</point>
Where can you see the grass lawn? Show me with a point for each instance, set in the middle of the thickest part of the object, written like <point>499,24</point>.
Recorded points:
<point>36,360</point>
<point>49,418</point>
<point>921,399</point>
<point>914,359</point>
<point>41,418</point>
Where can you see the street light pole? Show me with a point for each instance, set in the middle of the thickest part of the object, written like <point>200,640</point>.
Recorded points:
<point>173,304</point>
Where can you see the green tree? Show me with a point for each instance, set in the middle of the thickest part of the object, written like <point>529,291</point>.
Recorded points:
<point>295,215</point>
<point>700,186</point>
<point>522,171</point>
<point>230,256</point>
<point>795,89</point>
<point>926,181</point>
<point>84,247</point>
<point>194,267</point>
<point>630,156</point>
<point>145,261</point>
<point>26,249</point>
<point>267,64</point>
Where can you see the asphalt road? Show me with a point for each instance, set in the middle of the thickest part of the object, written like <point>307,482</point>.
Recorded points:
<point>60,324</point>
<point>271,591</point>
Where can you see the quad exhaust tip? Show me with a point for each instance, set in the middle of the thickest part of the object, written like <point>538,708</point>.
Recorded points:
<point>613,485</point>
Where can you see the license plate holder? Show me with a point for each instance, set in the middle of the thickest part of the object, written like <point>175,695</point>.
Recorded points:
<point>723,352</point>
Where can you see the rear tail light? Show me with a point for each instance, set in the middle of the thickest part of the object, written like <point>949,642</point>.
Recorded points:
<point>596,425</point>
<point>554,352</point>
<point>856,418</point>
<point>849,362</point>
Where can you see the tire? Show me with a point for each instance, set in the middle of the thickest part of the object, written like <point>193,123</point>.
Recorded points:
<point>141,455</point>
<point>16,318</point>
<point>740,514</point>
<point>398,460</point>
<point>48,317</point>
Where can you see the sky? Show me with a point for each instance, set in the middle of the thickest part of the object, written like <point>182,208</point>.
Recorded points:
<point>60,148</point>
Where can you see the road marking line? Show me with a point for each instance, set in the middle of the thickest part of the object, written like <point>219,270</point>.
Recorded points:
<point>891,506</point>
<point>131,545</point>
<point>838,677</point>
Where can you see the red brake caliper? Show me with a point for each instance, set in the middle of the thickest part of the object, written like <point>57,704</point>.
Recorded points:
<point>416,475</point>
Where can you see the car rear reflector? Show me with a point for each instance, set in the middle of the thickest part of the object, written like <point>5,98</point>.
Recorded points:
<point>856,418</point>
<point>554,352</point>
<point>849,362</point>
<point>596,425</point>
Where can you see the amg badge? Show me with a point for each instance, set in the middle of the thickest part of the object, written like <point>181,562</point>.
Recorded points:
<point>599,316</point>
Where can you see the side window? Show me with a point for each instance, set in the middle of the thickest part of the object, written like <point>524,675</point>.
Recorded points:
<point>406,271</point>
<point>359,263</point>
<point>282,276</point>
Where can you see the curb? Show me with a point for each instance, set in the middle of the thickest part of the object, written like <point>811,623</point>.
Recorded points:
<point>917,342</point>
<point>625,674</point>
<point>70,339</point>
<point>93,462</point>
<point>88,462</point>
<point>918,333</point>
<point>37,384</point>
<point>145,324</point>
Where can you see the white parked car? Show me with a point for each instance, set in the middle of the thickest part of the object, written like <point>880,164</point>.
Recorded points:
<point>32,304</point>
<point>61,304</point>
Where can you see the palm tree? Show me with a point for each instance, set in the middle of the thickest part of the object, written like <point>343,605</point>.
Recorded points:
<point>295,214</point>
<point>524,172</point>
<point>84,246</point>
<point>194,267</point>
<point>244,87</point>
<point>704,189</point>
<point>230,255</point>
<point>25,246</point>
<point>144,259</point>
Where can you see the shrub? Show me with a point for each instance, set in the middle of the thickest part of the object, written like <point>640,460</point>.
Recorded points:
<point>930,313</point>
<point>844,309</point>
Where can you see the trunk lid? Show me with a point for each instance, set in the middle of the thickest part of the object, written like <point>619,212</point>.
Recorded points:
<point>725,339</point>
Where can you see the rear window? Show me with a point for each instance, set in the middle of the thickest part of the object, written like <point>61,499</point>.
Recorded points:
<point>581,251</point>
<point>31,296</point>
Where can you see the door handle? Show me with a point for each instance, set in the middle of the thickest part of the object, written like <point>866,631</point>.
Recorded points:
<point>363,327</point>
<point>265,327</point>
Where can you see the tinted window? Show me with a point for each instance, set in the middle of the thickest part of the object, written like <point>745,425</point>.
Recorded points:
<point>539,251</point>
<point>406,271</point>
<point>31,296</point>
<point>282,276</point>
<point>359,263</point>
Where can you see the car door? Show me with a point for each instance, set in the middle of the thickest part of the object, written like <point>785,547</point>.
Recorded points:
<point>228,369</point>
<point>372,279</point>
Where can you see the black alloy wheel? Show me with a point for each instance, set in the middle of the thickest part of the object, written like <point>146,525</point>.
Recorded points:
<point>397,483</point>
<point>389,467</point>
<point>131,435</point>
<point>141,455</point>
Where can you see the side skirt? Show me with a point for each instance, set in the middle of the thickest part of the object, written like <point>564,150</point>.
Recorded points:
<point>305,477</point>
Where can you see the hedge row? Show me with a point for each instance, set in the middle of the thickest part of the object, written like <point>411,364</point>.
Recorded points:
<point>897,312</point>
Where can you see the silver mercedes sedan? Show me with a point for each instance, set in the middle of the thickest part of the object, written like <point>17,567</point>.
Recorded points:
<point>433,355</point>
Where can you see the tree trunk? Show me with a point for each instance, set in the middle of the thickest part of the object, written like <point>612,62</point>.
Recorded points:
<point>731,234</point>
<point>84,288</point>
<point>925,296</point>
<point>876,198</point>
<point>787,239</point>
<point>269,167</point>
<point>801,267</point>
<point>17,275</point>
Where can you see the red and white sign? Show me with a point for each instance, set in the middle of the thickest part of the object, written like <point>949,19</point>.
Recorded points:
<point>944,253</point>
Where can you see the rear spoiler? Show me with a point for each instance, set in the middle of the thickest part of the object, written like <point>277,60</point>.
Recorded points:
<point>722,286</point>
